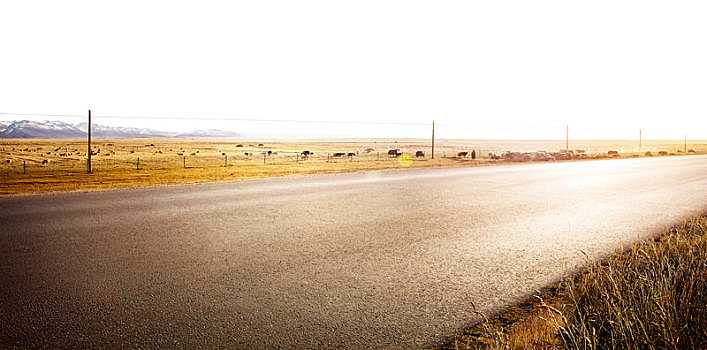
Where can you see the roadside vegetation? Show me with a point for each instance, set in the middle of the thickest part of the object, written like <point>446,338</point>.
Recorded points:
<point>652,296</point>
<point>35,166</point>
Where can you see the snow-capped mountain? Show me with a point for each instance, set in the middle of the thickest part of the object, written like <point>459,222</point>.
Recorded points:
<point>98,130</point>
<point>26,129</point>
<point>60,130</point>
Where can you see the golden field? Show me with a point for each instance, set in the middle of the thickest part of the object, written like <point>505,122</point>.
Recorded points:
<point>45,165</point>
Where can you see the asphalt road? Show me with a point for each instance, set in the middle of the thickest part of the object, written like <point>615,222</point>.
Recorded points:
<point>377,260</point>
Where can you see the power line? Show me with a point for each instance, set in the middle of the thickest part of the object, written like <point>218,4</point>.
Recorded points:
<point>260,120</point>
<point>44,115</point>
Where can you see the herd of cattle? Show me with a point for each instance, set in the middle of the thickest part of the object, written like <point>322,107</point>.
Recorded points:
<point>509,156</point>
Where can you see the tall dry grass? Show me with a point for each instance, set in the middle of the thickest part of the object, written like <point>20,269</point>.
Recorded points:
<point>652,296</point>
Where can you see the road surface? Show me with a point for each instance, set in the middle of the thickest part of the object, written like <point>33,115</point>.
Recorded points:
<point>372,260</point>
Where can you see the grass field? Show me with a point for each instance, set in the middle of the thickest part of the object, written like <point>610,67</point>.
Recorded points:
<point>652,296</point>
<point>34,166</point>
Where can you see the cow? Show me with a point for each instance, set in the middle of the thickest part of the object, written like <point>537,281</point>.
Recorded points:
<point>462,154</point>
<point>662,153</point>
<point>46,161</point>
<point>420,154</point>
<point>8,161</point>
<point>394,153</point>
<point>351,154</point>
<point>613,153</point>
<point>493,156</point>
<point>239,145</point>
<point>269,152</point>
<point>339,154</point>
<point>306,153</point>
<point>248,153</point>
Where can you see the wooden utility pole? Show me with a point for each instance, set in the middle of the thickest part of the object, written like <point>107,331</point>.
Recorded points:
<point>89,141</point>
<point>640,138</point>
<point>433,139</point>
<point>567,138</point>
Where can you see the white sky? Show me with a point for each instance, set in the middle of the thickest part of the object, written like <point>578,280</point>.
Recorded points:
<point>481,69</point>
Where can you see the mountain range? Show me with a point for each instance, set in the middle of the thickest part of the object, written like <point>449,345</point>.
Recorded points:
<point>27,129</point>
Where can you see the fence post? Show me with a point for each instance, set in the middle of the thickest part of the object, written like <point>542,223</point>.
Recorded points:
<point>185,162</point>
<point>297,161</point>
<point>225,160</point>
<point>264,158</point>
<point>24,167</point>
<point>138,163</point>
<point>444,154</point>
<point>327,157</point>
<point>378,156</point>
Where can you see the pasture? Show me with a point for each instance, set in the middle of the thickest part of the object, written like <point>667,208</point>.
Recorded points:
<point>45,165</point>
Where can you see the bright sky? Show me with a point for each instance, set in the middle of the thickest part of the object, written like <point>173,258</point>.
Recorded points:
<point>481,69</point>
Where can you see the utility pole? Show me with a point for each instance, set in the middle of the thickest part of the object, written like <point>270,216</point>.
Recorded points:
<point>567,138</point>
<point>685,148</point>
<point>640,138</point>
<point>89,141</point>
<point>433,139</point>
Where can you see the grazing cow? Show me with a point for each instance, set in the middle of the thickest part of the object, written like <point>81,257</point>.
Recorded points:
<point>368,150</point>
<point>223,153</point>
<point>180,154</point>
<point>260,145</point>
<point>338,154</point>
<point>248,153</point>
<point>8,161</point>
<point>306,153</point>
<point>193,154</point>
<point>493,156</point>
<point>691,151</point>
<point>420,154</point>
<point>394,153</point>
<point>351,154</point>
<point>662,153</point>
<point>462,154</point>
<point>46,161</point>
<point>613,153</point>
<point>269,152</point>
<point>239,145</point>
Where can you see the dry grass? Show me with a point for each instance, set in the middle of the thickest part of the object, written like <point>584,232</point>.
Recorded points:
<point>162,161</point>
<point>653,296</point>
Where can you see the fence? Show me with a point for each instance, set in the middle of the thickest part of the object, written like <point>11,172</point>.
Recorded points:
<point>53,156</point>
